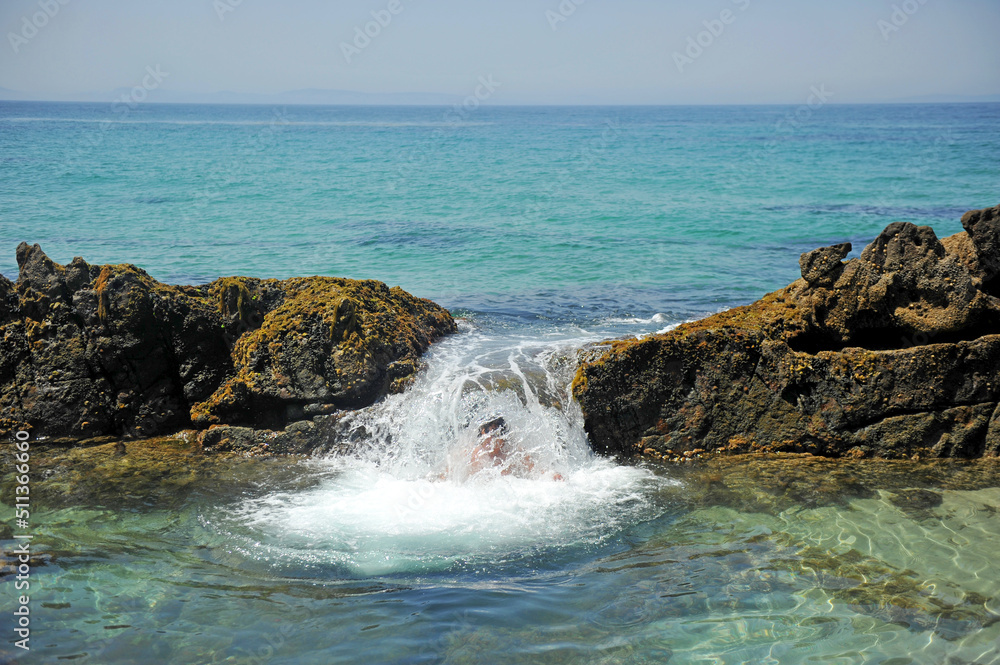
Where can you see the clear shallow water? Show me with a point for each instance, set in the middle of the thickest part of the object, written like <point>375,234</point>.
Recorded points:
<point>377,558</point>
<point>548,229</point>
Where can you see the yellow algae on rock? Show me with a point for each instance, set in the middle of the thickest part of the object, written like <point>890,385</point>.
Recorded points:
<point>107,350</point>
<point>883,355</point>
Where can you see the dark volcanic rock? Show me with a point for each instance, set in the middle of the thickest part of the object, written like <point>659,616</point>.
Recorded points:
<point>323,434</point>
<point>822,267</point>
<point>317,341</point>
<point>889,354</point>
<point>983,229</point>
<point>107,350</point>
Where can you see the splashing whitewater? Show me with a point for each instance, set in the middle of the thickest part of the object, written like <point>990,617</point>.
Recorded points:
<point>409,500</point>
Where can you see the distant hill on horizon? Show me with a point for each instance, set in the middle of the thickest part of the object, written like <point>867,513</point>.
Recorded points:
<point>948,99</point>
<point>291,97</point>
<point>325,97</point>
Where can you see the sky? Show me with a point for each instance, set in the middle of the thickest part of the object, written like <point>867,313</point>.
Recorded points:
<point>526,51</point>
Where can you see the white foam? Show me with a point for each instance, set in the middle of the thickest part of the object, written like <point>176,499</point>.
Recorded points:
<point>409,501</point>
<point>659,317</point>
<point>675,325</point>
<point>374,523</point>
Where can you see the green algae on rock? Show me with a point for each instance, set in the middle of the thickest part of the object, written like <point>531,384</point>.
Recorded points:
<point>891,354</point>
<point>89,350</point>
<point>138,474</point>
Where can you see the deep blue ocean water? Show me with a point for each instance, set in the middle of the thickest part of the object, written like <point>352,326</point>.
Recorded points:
<point>545,229</point>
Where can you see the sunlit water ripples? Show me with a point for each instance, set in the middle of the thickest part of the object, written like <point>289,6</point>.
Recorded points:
<point>780,562</point>
<point>545,237</point>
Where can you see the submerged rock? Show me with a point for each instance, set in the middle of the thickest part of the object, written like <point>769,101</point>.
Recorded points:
<point>890,354</point>
<point>155,473</point>
<point>321,435</point>
<point>89,350</point>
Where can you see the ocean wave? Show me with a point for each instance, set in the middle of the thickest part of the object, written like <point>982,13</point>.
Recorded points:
<point>659,317</point>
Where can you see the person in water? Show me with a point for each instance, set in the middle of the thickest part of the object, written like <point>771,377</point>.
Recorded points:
<point>494,450</point>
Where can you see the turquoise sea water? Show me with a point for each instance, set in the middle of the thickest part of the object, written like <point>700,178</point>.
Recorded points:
<point>545,229</point>
<point>543,210</point>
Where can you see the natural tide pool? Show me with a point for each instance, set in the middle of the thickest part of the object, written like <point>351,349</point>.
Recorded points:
<point>389,555</point>
<point>731,560</point>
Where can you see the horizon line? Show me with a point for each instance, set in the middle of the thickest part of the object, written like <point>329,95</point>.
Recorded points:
<point>502,105</point>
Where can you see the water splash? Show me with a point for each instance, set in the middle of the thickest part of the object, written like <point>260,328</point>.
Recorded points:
<point>410,500</point>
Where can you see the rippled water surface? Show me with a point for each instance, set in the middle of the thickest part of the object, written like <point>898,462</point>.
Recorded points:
<point>554,211</point>
<point>545,230</point>
<point>399,553</point>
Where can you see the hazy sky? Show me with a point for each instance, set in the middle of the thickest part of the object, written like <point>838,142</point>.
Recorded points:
<point>605,51</point>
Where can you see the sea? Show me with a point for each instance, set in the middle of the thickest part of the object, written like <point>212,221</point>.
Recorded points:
<point>544,230</point>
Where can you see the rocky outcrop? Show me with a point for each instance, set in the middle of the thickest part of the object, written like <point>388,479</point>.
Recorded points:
<point>90,350</point>
<point>823,266</point>
<point>984,262</point>
<point>891,354</point>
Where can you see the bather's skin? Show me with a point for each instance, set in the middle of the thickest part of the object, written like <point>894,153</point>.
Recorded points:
<point>495,450</point>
